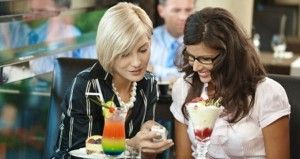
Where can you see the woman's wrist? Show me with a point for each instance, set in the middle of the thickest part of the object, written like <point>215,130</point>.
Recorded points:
<point>130,145</point>
<point>133,149</point>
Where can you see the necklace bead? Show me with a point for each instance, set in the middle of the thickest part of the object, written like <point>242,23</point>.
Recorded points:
<point>128,105</point>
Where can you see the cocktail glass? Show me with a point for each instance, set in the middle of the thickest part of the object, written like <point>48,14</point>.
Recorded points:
<point>203,119</point>
<point>113,138</point>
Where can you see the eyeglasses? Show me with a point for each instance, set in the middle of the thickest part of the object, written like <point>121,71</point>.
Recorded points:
<point>200,59</point>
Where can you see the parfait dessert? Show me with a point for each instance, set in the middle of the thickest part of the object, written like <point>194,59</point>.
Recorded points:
<point>203,115</point>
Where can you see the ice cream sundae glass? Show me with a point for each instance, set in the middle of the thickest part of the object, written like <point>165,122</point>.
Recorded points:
<point>203,115</point>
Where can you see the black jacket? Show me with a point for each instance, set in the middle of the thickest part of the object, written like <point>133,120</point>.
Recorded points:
<point>82,117</point>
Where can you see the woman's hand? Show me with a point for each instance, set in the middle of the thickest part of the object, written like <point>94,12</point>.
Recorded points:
<point>144,142</point>
<point>148,124</point>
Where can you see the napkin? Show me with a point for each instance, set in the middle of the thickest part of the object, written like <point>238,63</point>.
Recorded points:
<point>295,67</point>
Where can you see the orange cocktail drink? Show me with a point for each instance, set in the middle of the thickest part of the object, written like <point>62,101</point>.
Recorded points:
<point>113,141</point>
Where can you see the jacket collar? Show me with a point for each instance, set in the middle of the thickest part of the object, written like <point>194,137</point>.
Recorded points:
<point>97,71</point>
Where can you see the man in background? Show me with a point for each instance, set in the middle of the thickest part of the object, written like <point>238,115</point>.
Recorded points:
<point>42,28</point>
<point>51,30</point>
<point>166,42</point>
<point>167,38</point>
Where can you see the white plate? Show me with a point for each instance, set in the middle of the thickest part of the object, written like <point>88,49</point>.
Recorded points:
<point>82,153</point>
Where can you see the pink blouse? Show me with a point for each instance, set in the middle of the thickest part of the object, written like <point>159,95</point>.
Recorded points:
<point>244,138</point>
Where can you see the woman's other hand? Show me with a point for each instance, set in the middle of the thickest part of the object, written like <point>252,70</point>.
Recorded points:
<point>144,142</point>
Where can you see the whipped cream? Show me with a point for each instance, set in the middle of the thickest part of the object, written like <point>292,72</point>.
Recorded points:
<point>203,116</point>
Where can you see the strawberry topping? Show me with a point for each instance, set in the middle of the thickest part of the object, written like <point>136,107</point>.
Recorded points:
<point>203,134</point>
<point>111,109</point>
<point>197,99</point>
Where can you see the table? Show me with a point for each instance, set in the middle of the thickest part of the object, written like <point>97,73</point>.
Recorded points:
<point>275,65</point>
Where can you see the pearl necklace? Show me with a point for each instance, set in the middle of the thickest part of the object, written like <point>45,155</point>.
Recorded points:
<point>132,99</point>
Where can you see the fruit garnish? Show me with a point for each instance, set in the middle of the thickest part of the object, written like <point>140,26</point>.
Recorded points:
<point>92,141</point>
<point>110,105</point>
<point>108,108</point>
<point>98,141</point>
<point>197,99</point>
<point>206,102</point>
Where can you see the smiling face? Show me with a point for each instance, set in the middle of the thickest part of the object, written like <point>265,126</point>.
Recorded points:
<point>203,70</point>
<point>132,66</point>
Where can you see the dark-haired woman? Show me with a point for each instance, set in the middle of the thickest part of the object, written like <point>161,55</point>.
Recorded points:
<point>220,61</point>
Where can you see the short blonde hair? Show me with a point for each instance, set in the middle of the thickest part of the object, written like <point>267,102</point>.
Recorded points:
<point>119,31</point>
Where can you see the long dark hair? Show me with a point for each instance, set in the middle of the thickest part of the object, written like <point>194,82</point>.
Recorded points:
<point>237,70</point>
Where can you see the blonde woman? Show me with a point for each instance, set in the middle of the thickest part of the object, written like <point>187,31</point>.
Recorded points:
<point>123,48</point>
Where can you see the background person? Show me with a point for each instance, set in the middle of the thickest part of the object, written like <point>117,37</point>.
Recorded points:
<point>8,118</point>
<point>36,30</point>
<point>220,61</point>
<point>123,47</point>
<point>55,29</point>
<point>167,38</point>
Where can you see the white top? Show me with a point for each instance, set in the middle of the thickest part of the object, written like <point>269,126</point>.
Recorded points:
<point>244,138</point>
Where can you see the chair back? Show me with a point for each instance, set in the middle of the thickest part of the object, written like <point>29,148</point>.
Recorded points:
<point>164,116</point>
<point>65,70</point>
<point>291,85</point>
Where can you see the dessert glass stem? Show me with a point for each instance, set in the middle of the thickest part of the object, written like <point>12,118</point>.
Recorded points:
<point>201,149</point>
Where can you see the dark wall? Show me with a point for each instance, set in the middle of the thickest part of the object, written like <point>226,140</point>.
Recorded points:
<point>266,21</point>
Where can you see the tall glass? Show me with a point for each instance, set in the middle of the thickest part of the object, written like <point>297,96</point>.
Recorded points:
<point>278,44</point>
<point>113,138</point>
<point>203,119</point>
